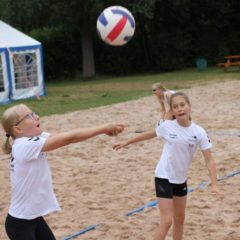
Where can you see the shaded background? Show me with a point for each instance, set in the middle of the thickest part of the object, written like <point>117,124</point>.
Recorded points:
<point>170,34</point>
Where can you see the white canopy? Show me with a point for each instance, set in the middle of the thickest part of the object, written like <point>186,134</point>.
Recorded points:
<point>21,65</point>
<point>11,37</point>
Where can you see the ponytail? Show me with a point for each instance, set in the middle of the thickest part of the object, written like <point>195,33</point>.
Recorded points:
<point>9,119</point>
<point>6,146</point>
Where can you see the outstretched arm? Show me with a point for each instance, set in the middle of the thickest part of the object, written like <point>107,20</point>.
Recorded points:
<point>80,134</point>
<point>145,136</point>
<point>212,171</point>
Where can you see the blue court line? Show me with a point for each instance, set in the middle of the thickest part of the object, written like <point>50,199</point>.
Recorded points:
<point>154,203</point>
<point>200,185</point>
<point>224,134</point>
<point>150,204</point>
<point>82,231</point>
<point>231,174</point>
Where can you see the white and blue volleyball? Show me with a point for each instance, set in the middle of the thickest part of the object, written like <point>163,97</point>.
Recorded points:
<point>116,25</point>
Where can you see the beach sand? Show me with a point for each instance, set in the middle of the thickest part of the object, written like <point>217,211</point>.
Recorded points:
<point>97,185</point>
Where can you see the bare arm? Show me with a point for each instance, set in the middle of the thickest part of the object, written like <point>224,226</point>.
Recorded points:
<point>168,96</point>
<point>168,114</point>
<point>80,134</point>
<point>145,136</point>
<point>163,110</point>
<point>212,171</point>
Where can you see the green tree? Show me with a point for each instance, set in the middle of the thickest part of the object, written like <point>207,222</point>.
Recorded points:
<point>76,18</point>
<point>169,34</point>
<point>80,16</point>
<point>84,16</point>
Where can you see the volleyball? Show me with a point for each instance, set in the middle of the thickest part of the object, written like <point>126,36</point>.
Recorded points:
<point>116,25</point>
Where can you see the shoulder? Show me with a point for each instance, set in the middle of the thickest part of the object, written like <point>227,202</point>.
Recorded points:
<point>28,140</point>
<point>198,130</point>
<point>170,92</point>
<point>197,127</point>
<point>44,135</point>
<point>203,138</point>
<point>28,148</point>
<point>166,124</point>
<point>166,127</point>
<point>170,122</point>
<point>23,140</point>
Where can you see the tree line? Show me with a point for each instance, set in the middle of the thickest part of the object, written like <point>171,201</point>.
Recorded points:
<point>170,34</point>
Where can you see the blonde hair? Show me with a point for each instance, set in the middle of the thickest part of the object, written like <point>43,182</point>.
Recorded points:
<point>159,86</point>
<point>9,119</point>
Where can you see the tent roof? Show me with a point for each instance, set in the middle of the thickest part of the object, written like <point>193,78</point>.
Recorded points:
<point>11,37</point>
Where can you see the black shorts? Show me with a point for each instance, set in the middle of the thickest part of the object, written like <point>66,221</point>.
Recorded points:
<point>22,229</point>
<point>165,189</point>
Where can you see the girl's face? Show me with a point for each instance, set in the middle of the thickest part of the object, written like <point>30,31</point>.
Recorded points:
<point>158,92</point>
<point>28,124</point>
<point>181,109</point>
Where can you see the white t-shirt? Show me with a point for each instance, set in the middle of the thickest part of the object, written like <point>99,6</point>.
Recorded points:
<point>178,150</point>
<point>32,192</point>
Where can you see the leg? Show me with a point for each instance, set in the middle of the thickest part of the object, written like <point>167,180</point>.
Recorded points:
<point>43,231</point>
<point>19,229</point>
<point>179,206</point>
<point>166,214</point>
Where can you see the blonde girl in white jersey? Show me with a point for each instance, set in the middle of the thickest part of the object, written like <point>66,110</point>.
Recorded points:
<point>163,96</point>
<point>181,138</point>
<point>32,195</point>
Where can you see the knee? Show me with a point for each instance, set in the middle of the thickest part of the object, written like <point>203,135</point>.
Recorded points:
<point>179,219</point>
<point>167,222</point>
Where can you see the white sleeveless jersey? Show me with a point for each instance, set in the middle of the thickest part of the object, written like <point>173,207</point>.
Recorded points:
<point>32,192</point>
<point>180,145</point>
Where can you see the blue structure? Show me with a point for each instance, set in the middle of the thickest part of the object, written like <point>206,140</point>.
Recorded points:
<point>21,65</point>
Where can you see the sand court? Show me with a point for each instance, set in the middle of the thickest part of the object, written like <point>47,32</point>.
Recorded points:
<point>97,185</point>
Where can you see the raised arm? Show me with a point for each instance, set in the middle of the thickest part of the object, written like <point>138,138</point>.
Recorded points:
<point>212,171</point>
<point>145,136</point>
<point>80,134</point>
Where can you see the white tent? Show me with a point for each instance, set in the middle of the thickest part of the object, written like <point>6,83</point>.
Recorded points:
<point>21,65</point>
